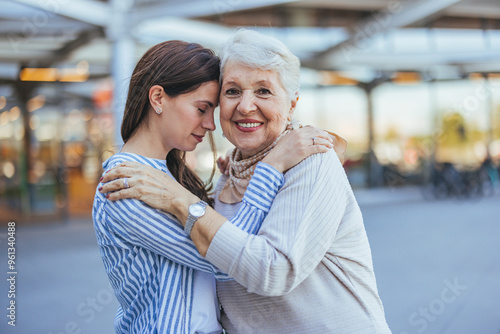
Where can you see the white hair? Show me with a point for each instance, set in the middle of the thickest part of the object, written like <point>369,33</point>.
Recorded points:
<point>257,50</point>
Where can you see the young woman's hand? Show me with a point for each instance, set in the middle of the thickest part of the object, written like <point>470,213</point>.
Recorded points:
<point>147,184</point>
<point>297,145</point>
<point>223,164</point>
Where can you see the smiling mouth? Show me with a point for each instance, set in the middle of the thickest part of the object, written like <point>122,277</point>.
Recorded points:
<point>249,125</point>
<point>199,138</point>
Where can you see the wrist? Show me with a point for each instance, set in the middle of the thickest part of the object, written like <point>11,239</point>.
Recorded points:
<point>275,164</point>
<point>180,207</point>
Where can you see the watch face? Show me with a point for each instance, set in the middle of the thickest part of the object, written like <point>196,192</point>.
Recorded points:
<point>196,210</point>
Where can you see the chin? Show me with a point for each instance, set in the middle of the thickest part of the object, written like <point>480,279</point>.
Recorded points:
<point>187,148</point>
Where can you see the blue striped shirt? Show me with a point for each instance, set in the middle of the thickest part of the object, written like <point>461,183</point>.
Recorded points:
<point>149,259</point>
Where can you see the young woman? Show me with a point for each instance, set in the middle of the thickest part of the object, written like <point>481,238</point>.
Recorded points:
<point>162,283</point>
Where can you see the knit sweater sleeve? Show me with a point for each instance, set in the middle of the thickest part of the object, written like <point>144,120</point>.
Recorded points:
<point>296,234</point>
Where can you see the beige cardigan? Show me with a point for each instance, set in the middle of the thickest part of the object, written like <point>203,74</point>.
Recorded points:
<point>309,269</point>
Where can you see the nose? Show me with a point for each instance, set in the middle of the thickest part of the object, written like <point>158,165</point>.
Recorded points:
<point>208,122</point>
<point>246,104</point>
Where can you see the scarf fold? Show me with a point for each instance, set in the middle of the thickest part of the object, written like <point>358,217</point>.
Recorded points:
<point>241,170</point>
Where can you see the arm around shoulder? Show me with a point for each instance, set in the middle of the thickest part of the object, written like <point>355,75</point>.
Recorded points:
<point>296,234</point>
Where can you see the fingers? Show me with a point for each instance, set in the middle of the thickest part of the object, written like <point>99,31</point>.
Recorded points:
<point>339,143</point>
<point>116,185</point>
<point>125,169</point>
<point>319,133</point>
<point>315,136</point>
<point>130,164</point>
<point>121,194</point>
<point>309,132</point>
<point>319,149</point>
<point>116,173</point>
<point>321,141</point>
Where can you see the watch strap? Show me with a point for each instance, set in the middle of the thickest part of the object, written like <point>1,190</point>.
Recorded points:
<point>192,219</point>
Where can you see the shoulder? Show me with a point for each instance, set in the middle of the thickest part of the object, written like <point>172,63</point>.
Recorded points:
<point>319,174</point>
<point>122,157</point>
<point>319,165</point>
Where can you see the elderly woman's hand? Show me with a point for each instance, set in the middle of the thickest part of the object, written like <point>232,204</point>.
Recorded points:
<point>150,185</point>
<point>298,145</point>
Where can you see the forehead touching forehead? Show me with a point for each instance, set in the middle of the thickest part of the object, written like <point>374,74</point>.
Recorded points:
<point>259,51</point>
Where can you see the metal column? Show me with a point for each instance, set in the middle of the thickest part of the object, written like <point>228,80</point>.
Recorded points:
<point>122,61</point>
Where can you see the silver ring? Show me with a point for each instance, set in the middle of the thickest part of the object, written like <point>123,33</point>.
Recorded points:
<point>314,138</point>
<point>125,182</point>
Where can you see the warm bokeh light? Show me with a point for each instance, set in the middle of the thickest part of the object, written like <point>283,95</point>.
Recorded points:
<point>337,79</point>
<point>8,169</point>
<point>406,78</point>
<point>7,131</point>
<point>411,156</point>
<point>3,102</point>
<point>14,114</point>
<point>38,74</point>
<point>476,76</point>
<point>36,103</point>
<point>79,74</point>
<point>4,118</point>
<point>34,122</point>
<point>39,169</point>
<point>72,75</point>
<point>82,67</point>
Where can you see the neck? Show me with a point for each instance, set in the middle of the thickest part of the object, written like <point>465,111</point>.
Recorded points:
<point>265,150</point>
<point>144,142</point>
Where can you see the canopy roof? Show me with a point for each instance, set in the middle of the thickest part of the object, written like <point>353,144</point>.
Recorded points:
<point>446,38</point>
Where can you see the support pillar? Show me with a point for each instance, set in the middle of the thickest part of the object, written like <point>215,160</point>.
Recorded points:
<point>436,132</point>
<point>23,92</point>
<point>374,172</point>
<point>122,61</point>
<point>491,115</point>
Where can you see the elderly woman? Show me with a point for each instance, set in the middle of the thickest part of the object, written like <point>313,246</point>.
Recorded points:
<point>309,268</point>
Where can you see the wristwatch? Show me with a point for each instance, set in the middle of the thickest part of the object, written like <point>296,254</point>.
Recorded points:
<point>196,211</point>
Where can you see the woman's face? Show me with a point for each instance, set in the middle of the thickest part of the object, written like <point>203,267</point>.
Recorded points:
<point>254,107</point>
<point>186,118</point>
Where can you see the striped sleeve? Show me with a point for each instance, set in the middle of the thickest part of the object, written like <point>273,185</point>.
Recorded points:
<point>263,187</point>
<point>161,233</point>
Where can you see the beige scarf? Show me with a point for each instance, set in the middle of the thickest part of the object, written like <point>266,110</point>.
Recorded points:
<point>241,170</point>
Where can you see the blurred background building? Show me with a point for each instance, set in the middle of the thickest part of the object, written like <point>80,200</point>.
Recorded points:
<point>410,84</point>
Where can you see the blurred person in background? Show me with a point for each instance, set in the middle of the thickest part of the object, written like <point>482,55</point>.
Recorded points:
<point>309,268</point>
<point>162,283</point>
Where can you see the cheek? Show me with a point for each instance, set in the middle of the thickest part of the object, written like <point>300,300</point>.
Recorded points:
<point>277,119</point>
<point>226,112</point>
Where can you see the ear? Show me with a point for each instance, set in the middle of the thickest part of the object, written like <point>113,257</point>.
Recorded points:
<point>293,104</point>
<point>156,95</point>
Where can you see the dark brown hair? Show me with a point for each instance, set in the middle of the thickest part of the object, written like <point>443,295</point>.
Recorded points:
<point>179,67</point>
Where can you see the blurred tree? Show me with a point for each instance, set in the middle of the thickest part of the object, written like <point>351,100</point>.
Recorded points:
<point>452,130</point>
<point>455,131</point>
<point>496,123</point>
<point>458,139</point>
<point>392,134</point>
